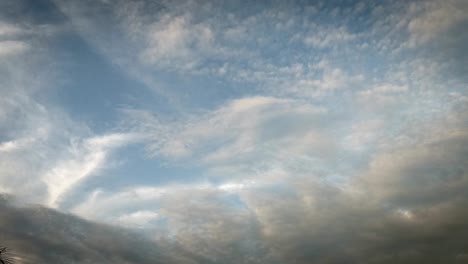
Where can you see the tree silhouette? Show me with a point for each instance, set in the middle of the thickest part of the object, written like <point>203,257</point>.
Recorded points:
<point>4,256</point>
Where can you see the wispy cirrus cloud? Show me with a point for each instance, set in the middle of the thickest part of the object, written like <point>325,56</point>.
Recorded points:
<point>82,160</point>
<point>44,152</point>
<point>245,133</point>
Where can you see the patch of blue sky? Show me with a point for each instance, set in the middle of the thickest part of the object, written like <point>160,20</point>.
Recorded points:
<point>93,90</point>
<point>233,201</point>
<point>135,168</point>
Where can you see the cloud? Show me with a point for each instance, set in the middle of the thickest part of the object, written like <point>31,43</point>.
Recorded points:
<point>407,204</point>
<point>114,206</point>
<point>323,38</point>
<point>381,96</point>
<point>10,44</point>
<point>26,126</point>
<point>44,153</point>
<point>212,223</point>
<point>364,44</point>
<point>363,135</point>
<point>7,29</point>
<point>133,203</point>
<point>422,174</point>
<point>251,132</point>
<point>391,214</point>
<point>8,48</point>
<point>141,219</point>
<point>84,159</point>
<point>437,28</point>
<point>436,20</point>
<point>182,38</point>
<point>321,137</point>
<point>175,40</point>
<point>401,206</point>
<point>39,235</point>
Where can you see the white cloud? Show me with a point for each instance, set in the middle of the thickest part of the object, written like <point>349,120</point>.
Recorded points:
<point>12,47</point>
<point>246,132</point>
<point>381,96</point>
<point>85,159</point>
<point>184,40</point>
<point>418,188</point>
<point>328,38</point>
<point>28,128</point>
<point>364,135</point>
<point>138,206</point>
<point>139,219</point>
<point>406,214</point>
<point>105,206</point>
<point>7,29</point>
<point>43,152</point>
<point>16,144</point>
<point>12,40</point>
<point>388,88</point>
<point>176,40</point>
<point>294,169</point>
<point>40,163</point>
<point>437,17</point>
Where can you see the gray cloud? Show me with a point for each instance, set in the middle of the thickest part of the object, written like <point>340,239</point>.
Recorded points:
<point>410,210</point>
<point>409,207</point>
<point>439,27</point>
<point>36,234</point>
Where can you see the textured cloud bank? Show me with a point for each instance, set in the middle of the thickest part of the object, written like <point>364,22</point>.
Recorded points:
<point>40,235</point>
<point>409,207</point>
<point>226,133</point>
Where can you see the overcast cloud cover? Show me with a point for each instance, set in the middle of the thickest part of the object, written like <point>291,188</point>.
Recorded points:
<point>138,131</point>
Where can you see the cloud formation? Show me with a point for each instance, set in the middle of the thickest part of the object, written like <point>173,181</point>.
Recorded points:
<point>409,206</point>
<point>403,208</point>
<point>208,132</point>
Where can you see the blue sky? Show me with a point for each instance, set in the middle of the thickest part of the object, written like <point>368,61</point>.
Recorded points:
<point>192,119</point>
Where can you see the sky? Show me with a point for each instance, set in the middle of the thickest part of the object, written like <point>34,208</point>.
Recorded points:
<point>140,131</point>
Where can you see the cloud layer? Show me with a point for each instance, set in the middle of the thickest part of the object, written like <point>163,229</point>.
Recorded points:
<point>207,132</point>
